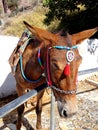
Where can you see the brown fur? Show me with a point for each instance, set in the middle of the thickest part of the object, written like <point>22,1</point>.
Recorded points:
<point>66,102</point>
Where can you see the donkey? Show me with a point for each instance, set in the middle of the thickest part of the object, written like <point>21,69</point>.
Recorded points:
<point>57,56</point>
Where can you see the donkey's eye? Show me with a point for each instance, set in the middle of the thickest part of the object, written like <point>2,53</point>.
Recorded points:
<point>55,66</point>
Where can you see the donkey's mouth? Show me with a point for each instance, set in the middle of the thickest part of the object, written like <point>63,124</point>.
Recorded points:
<point>66,109</point>
<point>64,114</point>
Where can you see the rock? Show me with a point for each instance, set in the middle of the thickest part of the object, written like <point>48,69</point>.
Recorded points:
<point>6,128</point>
<point>96,127</point>
<point>63,126</point>
<point>11,126</point>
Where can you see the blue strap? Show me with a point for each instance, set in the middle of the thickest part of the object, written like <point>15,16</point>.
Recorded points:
<point>31,81</point>
<point>39,60</point>
<point>23,47</point>
<point>64,47</point>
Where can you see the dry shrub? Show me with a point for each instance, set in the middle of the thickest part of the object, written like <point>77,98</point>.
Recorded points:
<point>15,25</point>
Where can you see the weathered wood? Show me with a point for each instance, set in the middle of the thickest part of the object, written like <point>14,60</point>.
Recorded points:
<point>52,117</point>
<point>16,103</point>
<point>88,71</point>
<point>19,101</point>
<point>92,82</point>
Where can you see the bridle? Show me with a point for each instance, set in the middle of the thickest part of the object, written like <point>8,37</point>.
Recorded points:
<point>48,77</point>
<point>46,67</point>
<point>63,91</point>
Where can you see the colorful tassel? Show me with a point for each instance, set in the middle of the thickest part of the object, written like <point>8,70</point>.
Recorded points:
<point>67,69</point>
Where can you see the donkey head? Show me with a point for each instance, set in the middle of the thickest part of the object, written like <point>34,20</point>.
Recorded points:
<point>64,63</point>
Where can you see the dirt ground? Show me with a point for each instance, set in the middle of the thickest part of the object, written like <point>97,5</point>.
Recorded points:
<point>85,119</point>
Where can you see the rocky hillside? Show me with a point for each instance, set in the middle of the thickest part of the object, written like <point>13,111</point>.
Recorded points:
<point>7,7</point>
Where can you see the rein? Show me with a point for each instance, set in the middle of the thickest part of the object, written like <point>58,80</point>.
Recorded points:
<point>24,76</point>
<point>22,48</point>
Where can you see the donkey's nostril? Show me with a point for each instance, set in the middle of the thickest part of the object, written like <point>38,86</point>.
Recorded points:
<point>64,113</point>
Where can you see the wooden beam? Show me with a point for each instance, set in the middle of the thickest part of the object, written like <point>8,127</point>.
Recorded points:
<point>20,100</point>
<point>92,82</point>
<point>88,71</point>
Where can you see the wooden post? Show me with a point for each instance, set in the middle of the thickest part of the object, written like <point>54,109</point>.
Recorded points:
<point>52,113</point>
<point>92,82</point>
<point>20,100</point>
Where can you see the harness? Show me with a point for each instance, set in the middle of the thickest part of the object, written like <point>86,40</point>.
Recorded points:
<point>69,58</point>
<point>46,67</point>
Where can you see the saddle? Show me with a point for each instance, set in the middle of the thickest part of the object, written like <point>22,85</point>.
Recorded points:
<point>19,49</point>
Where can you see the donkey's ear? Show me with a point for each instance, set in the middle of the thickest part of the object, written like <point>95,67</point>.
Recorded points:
<point>29,27</point>
<point>79,37</point>
<point>40,33</point>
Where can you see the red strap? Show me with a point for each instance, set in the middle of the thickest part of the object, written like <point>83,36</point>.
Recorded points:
<point>49,82</point>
